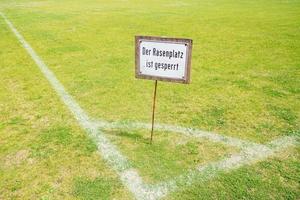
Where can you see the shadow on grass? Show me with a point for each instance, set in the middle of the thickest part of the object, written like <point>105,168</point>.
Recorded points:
<point>131,135</point>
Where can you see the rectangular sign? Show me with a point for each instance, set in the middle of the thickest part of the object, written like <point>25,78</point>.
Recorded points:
<point>164,59</point>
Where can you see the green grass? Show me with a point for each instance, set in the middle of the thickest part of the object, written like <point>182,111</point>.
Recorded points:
<point>271,179</point>
<point>245,83</point>
<point>245,59</point>
<point>100,188</point>
<point>170,154</point>
<point>43,152</point>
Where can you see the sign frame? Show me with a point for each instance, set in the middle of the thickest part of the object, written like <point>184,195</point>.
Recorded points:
<point>187,42</point>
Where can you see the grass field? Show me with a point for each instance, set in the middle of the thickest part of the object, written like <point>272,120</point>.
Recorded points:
<point>245,84</point>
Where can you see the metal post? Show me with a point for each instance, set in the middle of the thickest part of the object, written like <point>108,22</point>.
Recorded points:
<point>153,110</point>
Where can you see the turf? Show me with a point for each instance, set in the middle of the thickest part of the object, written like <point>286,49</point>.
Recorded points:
<point>272,179</point>
<point>245,83</point>
<point>43,152</point>
<point>245,60</point>
<point>169,156</point>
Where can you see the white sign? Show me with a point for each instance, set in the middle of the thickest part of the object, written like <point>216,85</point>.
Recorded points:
<point>166,59</point>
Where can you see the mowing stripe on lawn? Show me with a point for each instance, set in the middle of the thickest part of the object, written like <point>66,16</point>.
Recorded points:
<point>108,151</point>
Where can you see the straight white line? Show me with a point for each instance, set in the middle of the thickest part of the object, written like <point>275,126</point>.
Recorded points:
<point>247,156</point>
<point>108,151</point>
<point>227,140</point>
<point>250,152</point>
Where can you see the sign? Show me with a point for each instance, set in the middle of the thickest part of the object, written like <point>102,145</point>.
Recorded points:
<point>164,59</point>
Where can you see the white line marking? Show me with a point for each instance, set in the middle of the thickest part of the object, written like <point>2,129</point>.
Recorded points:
<point>107,150</point>
<point>227,140</point>
<point>248,156</point>
<point>251,152</point>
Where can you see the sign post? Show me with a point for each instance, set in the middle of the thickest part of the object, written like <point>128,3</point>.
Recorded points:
<point>162,59</point>
<point>153,110</point>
